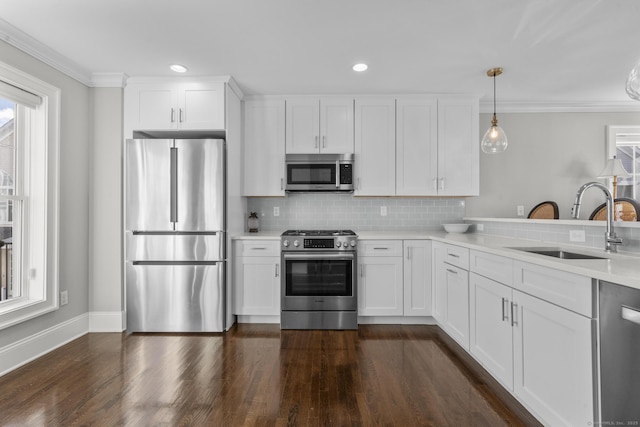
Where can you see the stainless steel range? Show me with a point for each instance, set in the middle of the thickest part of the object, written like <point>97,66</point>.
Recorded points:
<point>319,287</point>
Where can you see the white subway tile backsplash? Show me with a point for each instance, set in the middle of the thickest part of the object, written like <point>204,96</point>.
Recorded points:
<point>315,210</point>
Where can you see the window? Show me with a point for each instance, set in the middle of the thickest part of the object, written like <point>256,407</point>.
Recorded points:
<point>29,121</point>
<point>624,143</point>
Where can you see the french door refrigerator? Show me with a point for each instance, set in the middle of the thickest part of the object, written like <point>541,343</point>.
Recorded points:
<point>175,235</point>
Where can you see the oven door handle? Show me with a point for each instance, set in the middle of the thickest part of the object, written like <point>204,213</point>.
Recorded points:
<point>319,256</point>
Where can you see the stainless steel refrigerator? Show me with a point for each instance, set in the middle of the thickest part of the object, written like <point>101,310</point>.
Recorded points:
<point>175,256</point>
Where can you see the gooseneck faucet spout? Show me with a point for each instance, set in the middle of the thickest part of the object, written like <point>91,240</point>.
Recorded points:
<point>611,241</point>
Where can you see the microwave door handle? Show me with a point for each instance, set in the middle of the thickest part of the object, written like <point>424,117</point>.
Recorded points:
<point>337,173</point>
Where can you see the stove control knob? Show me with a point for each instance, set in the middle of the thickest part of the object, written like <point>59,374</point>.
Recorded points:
<point>285,243</point>
<point>296,243</point>
<point>353,243</point>
<point>338,244</point>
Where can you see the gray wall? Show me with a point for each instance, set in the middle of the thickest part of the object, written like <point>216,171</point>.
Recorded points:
<point>550,155</point>
<point>106,291</point>
<point>75,140</point>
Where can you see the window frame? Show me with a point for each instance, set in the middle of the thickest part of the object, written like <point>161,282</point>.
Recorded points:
<point>40,225</point>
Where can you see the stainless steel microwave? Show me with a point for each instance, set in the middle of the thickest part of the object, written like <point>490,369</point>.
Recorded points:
<point>319,172</point>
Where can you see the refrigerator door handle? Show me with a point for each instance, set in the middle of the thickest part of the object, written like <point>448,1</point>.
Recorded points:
<point>173,203</point>
<point>175,262</point>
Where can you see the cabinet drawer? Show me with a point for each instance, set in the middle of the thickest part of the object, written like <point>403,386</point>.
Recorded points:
<point>257,248</point>
<point>494,267</point>
<point>380,248</point>
<point>455,255</point>
<point>568,290</point>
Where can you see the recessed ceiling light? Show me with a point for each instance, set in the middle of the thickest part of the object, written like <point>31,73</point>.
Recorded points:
<point>178,68</point>
<point>360,67</point>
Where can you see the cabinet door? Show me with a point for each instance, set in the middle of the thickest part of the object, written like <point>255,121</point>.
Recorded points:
<point>155,108</point>
<point>458,147</point>
<point>417,147</point>
<point>457,305</point>
<point>439,286</point>
<point>375,151</point>
<point>303,126</point>
<point>380,286</point>
<point>264,148</point>
<point>336,125</point>
<point>257,287</point>
<point>201,106</point>
<point>491,337</point>
<point>417,278</point>
<point>554,370</point>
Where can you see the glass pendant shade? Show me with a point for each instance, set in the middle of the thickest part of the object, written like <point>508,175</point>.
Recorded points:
<point>633,83</point>
<point>494,140</point>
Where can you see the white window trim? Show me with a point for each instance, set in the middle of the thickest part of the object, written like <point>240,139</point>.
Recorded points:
<point>40,264</point>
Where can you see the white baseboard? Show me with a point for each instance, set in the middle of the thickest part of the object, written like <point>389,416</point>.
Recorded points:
<point>396,320</point>
<point>106,321</point>
<point>30,348</point>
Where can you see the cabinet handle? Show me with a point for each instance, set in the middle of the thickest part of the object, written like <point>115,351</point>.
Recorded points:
<point>409,253</point>
<point>453,255</point>
<point>381,249</point>
<point>173,115</point>
<point>361,270</point>
<point>514,314</point>
<point>181,116</point>
<point>282,183</point>
<point>435,183</point>
<point>315,144</point>
<point>452,271</point>
<point>441,183</point>
<point>358,185</point>
<point>505,315</point>
<point>277,271</point>
<point>258,249</point>
<point>324,141</point>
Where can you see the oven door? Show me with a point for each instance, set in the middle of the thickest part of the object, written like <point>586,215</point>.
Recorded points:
<point>319,281</point>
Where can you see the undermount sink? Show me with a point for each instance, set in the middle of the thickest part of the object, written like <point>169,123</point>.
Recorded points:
<point>558,253</point>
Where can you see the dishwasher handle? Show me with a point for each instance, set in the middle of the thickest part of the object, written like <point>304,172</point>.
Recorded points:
<point>631,314</point>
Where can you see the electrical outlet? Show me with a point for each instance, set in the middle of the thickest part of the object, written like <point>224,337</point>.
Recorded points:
<point>577,236</point>
<point>276,211</point>
<point>479,227</point>
<point>520,210</point>
<point>383,211</point>
<point>64,297</point>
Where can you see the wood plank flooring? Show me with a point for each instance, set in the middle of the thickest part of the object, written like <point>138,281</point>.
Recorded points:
<point>254,375</point>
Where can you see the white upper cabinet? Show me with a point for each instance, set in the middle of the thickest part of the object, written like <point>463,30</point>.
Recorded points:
<point>264,147</point>
<point>417,147</point>
<point>375,168</point>
<point>458,147</point>
<point>322,125</point>
<point>160,105</point>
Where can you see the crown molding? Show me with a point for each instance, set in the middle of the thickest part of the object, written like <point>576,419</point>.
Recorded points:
<point>23,41</point>
<point>109,80</point>
<point>629,106</point>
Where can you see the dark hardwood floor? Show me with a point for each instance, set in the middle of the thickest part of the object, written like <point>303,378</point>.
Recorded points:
<point>255,375</point>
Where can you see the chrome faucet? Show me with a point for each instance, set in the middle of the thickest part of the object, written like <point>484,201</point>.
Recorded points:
<point>611,241</point>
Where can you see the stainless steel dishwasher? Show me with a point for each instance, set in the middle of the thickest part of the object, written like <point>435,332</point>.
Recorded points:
<point>619,354</point>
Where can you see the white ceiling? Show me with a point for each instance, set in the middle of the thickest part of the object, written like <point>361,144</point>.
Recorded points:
<point>552,51</point>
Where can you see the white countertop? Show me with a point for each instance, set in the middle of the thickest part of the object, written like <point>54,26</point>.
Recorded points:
<point>623,269</point>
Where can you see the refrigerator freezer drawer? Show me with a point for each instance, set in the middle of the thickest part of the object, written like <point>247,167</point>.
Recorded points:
<point>175,298</point>
<point>175,247</point>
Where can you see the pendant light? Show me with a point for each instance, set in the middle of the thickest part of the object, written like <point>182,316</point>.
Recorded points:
<point>495,140</point>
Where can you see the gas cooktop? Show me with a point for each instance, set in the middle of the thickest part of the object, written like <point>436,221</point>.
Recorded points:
<point>314,233</point>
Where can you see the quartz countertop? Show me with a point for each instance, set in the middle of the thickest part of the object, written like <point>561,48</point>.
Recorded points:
<point>622,268</point>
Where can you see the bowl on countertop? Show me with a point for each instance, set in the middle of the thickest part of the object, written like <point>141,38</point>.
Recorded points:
<point>456,228</point>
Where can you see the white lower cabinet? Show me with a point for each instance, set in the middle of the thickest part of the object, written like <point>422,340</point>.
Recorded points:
<point>257,278</point>
<point>491,333</point>
<point>417,278</point>
<point>451,291</point>
<point>553,363</point>
<point>380,288</point>
<point>540,351</point>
